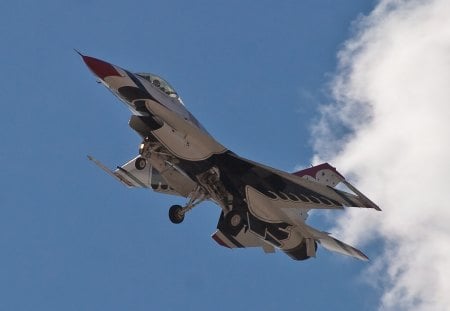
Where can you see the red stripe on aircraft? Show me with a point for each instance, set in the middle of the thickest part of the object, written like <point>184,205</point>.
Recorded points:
<point>312,171</point>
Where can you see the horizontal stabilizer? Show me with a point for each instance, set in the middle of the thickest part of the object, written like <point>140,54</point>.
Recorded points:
<point>331,243</point>
<point>337,246</point>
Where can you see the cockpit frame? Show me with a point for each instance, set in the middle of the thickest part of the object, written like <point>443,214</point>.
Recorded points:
<point>160,83</point>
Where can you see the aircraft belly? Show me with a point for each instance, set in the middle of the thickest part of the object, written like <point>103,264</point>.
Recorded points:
<point>183,139</point>
<point>178,181</point>
<point>182,145</point>
<point>280,235</point>
<point>280,215</point>
<point>261,207</point>
<point>295,238</point>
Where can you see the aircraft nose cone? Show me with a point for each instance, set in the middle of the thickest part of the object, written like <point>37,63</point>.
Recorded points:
<point>100,68</point>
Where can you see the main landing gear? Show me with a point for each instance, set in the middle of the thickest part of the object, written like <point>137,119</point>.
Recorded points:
<point>177,212</point>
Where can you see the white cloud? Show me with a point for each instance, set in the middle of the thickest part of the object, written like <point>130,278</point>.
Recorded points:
<point>392,91</point>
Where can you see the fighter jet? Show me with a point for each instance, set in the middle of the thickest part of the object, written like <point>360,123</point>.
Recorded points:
<point>260,205</point>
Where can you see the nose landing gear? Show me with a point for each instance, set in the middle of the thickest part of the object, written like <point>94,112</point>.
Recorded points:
<point>140,163</point>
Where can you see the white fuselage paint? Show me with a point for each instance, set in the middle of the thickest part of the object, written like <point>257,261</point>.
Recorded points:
<point>184,139</point>
<point>275,220</point>
<point>181,134</point>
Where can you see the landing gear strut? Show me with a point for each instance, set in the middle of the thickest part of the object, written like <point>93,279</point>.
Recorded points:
<point>177,212</point>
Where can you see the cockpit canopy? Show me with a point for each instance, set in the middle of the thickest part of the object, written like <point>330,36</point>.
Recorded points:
<point>160,83</point>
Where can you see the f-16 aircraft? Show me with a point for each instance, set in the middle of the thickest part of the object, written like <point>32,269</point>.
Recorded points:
<point>260,206</point>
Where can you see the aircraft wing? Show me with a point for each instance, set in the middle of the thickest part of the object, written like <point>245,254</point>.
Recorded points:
<point>294,190</point>
<point>131,177</point>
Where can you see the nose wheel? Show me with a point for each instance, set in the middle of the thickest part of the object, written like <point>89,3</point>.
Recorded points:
<point>140,163</point>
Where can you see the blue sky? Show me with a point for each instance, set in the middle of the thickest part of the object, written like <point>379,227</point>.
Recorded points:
<point>72,238</point>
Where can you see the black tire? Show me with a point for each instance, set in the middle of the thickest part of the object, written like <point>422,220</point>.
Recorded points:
<point>140,163</point>
<point>234,222</point>
<point>175,214</point>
